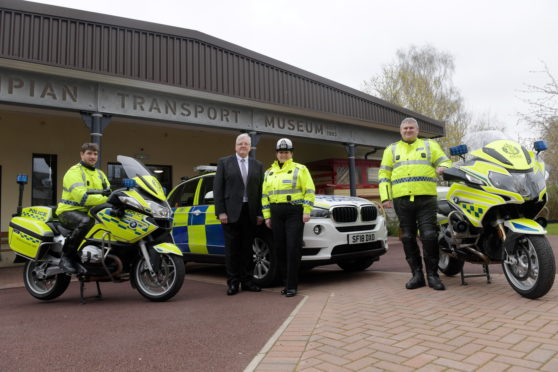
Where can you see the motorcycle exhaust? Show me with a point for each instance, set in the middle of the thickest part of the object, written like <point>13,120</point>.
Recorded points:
<point>482,256</point>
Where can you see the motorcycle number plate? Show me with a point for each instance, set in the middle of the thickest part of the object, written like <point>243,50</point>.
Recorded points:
<point>360,238</point>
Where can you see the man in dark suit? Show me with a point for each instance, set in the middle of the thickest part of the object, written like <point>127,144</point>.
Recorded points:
<point>237,190</point>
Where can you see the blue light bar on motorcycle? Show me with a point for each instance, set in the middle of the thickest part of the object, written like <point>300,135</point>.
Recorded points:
<point>21,179</point>
<point>459,150</point>
<point>540,145</point>
<point>128,183</point>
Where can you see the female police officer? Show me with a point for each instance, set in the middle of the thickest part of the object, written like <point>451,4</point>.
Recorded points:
<point>287,199</point>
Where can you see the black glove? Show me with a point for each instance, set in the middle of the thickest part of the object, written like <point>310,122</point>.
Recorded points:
<point>117,212</point>
<point>106,192</point>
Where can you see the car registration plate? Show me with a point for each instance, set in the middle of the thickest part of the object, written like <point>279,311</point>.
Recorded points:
<point>361,238</point>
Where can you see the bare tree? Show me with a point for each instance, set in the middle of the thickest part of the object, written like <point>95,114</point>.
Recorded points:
<point>421,80</point>
<point>543,117</point>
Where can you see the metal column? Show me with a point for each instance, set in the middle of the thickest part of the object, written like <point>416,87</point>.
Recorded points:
<point>352,167</point>
<point>96,122</point>
<point>254,138</point>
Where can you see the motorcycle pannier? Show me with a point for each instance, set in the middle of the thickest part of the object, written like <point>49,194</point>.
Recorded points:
<point>27,232</point>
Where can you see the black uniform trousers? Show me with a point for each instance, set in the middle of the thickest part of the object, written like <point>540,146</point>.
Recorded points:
<point>419,213</point>
<point>239,237</point>
<point>288,227</point>
<point>80,223</point>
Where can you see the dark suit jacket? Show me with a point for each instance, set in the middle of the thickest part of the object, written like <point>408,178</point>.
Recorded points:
<point>228,188</point>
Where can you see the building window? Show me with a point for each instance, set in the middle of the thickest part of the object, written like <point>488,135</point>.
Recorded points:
<point>163,173</point>
<point>43,181</point>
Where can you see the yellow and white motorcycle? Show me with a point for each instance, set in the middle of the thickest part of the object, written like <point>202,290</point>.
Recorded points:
<point>492,213</point>
<point>130,240</point>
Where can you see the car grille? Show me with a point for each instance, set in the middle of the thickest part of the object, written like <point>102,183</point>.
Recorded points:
<point>345,214</point>
<point>350,214</point>
<point>355,228</point>
<point>368,213</point>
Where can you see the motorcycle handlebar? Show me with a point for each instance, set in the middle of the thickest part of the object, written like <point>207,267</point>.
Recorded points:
<point>105,192</point>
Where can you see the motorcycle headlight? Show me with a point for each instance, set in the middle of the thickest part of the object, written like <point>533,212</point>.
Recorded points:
<point>501,181</point>
<point>127,200</point>
<point>158,210</point>
<point>474,179</point>
<point>319,213</point>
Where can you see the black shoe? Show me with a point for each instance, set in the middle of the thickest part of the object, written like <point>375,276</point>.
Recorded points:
<point>232,290</point>
<point>416,281</point>
<point>290,293</point>
<point>67,265</point>
<point>250,287</point>
<point>435,282</point>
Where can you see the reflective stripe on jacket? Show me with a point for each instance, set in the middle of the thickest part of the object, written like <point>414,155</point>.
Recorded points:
<point>77,181</point>
<point>291,183</point>
<point>409,169</point>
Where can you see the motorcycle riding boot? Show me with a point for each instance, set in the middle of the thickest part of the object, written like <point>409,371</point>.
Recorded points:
<point>67,260</point>
<point>431,257</point>
<point>412,255</point>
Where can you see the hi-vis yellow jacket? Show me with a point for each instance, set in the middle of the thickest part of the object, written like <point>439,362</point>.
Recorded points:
<point>409,169</point>
<point>291,183</point>
<point>77,181</point>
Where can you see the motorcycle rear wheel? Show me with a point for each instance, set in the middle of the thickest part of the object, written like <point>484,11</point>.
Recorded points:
<point>448,265</point>
<point>531,269</point>
<point>166,281</point>
<point>44,289</point>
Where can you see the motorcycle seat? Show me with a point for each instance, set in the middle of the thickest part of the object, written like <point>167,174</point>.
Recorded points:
<point>444,207</point>
<point>57,228</point>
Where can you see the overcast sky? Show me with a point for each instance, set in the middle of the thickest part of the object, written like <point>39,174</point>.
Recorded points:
<point>497,44</point>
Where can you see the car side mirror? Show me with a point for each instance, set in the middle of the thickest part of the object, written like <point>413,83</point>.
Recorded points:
<point>208,197</point>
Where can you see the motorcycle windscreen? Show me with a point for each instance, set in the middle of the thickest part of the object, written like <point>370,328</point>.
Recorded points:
<point>143,177</point>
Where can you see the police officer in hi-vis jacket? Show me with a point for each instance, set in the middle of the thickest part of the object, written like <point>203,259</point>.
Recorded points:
<point>287,199</point>
<point>83,187</point>
<point>408,176</point>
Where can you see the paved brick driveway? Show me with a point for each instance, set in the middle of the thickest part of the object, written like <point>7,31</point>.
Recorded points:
<point>369,322</point>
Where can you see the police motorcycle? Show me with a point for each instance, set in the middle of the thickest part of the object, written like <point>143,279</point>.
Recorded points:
<point>130,240</point>
<point>493,213</point>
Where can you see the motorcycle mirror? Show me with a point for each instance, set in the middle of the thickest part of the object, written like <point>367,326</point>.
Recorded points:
<point>459,150</point>
<point>129,183</point>
<point>540,146</point>
<point>21,179</point>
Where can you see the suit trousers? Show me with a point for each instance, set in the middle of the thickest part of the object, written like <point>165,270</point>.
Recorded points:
<point>239,237</point>
<point>288,227</point>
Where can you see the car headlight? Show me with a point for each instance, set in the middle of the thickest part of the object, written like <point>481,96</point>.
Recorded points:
<point>319,213</point>
<point>158,210</point>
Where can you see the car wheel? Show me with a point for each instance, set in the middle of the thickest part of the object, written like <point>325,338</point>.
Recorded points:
<point>266,269</point>
<point>357,264</point>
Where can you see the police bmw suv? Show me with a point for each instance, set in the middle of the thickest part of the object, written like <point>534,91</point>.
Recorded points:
<point>348,231</point>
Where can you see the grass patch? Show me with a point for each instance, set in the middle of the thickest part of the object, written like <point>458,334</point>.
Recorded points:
<point>552,229</point>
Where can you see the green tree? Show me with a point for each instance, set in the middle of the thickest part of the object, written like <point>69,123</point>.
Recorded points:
<point>421,80</point>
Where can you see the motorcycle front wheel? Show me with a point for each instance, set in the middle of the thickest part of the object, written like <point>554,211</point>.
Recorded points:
<point>164,283</point>
<point>531,269</point>
<point>44,289</point>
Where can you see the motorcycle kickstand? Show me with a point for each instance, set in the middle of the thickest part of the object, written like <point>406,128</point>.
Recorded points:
<point>463,282</point>
<point>487,273</point>
<point>99,295</point>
